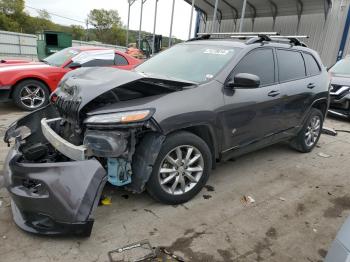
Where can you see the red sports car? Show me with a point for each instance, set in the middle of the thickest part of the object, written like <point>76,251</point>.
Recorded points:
<point>29,84</point>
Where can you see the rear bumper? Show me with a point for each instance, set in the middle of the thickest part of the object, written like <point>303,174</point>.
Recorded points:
<point>54,198</point>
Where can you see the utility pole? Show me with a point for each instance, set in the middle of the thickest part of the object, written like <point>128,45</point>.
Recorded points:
<point>171,23</point>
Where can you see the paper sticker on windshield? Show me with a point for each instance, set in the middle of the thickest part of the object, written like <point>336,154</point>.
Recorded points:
<point>216,51</point>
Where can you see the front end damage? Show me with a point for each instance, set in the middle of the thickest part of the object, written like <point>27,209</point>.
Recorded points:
<point>61,160</point>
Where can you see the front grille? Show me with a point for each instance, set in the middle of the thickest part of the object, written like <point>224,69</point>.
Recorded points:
<point>68,108</point>
<point>335,88</point>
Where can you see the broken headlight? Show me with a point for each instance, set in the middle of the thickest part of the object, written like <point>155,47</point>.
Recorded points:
<point>121,117</point>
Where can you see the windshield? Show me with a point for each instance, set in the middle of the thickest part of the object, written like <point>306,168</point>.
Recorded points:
<point>341,68</point>
<point>60,57</point>
<point>189,62</point>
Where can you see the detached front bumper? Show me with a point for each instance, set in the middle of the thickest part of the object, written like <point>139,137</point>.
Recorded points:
<point>54,198</point>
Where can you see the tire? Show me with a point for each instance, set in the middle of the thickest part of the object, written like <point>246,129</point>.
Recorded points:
<point>310,128</point>
<point>199,170</point>
<point>30,95</point>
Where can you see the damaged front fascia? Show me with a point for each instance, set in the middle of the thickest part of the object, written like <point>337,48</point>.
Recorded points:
<point>143,160</point>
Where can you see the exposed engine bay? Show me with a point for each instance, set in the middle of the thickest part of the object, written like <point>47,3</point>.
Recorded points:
<point>65,152</point>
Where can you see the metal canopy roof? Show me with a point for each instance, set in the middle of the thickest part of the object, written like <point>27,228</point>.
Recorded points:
<point>232,9</point>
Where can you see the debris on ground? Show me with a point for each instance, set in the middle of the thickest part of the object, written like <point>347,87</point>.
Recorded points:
<point>209,188</point>
<point>315,230</point>
<point>0,203</point>
<point>139,251</point>
<point>329,131</point>
<point>248,200</point>
<point>341,130</point>
<point>282,198</point>
<point>4,237</point>
<point>142,251</point>
<point>323,155</point>
<point>106,201</point>
<point>206,196</point>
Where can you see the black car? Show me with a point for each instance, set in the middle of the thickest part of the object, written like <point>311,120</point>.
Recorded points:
<point>161,127</point>
<point>340,88</point>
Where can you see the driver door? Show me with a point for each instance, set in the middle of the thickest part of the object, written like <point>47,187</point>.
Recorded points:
<point>252,114</point>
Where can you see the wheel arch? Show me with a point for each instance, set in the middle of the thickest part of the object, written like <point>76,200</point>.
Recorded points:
<point>207,134</point>
<point>322,105</point>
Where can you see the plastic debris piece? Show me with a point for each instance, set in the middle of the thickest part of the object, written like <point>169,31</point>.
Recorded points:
<point>315,230</point>
<point>139,251</point>
<point>248,200</point>
<point>329,131</point>
<point>323,155</point>
<point>282,199</point>
<point>4,237</point>
<point>106,201</point>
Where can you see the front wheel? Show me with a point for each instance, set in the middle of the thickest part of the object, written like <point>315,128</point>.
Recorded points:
<point>309,135</point>
<point>181,169</point>
<point>30,95</point>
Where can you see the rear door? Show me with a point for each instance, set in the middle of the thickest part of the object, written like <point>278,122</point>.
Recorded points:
<point>253,114</point>
<point>294,85</point>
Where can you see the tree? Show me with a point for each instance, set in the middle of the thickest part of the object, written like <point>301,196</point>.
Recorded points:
<point>107,23</point>
<point>78,32</point>
<point>44,14</point>
<point>11,7</point>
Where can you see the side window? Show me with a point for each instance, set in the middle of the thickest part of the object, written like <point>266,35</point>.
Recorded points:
<point>312,67</point>
<point>98,62</point>
<point>120,60</point>
<point>260,63</point>
<point>291,65</point>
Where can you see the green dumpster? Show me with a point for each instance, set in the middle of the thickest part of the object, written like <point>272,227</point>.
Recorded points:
<point>50,42</point>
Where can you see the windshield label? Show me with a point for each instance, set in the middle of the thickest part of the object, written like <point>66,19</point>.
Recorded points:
<point>216,51</point>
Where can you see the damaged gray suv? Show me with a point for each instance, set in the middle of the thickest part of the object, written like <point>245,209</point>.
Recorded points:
<point>161,127</point>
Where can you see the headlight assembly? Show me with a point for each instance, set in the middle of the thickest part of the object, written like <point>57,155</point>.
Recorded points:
<point>121,117</point>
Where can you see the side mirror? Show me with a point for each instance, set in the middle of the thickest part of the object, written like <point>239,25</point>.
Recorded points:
<point>74,65</point>
<point>244,80</point>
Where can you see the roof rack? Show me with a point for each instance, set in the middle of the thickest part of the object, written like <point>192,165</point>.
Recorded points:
<point>291,39</point>
<point>239,34</point>
<point>255,37</point>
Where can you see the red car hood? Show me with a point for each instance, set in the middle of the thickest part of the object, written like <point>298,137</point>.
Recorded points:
<point>13,61</point>
<point>23,66</point>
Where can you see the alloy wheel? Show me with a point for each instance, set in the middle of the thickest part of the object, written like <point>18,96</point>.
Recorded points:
<point>32,96</point>
<point>181,170</point>
<point>312,131</point>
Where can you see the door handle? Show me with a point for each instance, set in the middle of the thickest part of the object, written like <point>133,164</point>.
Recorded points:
<point>311,85</point>
<point>273,93</point>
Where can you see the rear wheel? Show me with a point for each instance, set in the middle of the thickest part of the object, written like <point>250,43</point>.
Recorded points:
<point>309,135</point>
<point>181,169</point>
<point>30,95</point>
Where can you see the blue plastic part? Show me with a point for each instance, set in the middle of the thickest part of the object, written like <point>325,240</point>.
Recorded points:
<point>119,171</point>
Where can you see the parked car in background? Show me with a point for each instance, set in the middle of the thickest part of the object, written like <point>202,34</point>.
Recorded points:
<point>340,88</point>
<point>29,84</point>
<point>160,127</point>
<point>340,248</point>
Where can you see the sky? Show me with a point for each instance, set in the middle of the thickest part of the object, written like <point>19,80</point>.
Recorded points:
<point>78,9</point>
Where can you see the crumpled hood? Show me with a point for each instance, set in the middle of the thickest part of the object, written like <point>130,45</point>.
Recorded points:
<point>86,84</point>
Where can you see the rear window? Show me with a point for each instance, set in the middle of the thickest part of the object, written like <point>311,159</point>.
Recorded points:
<point>312,67</point>
<point>120,60</point>
<point>290,65</point>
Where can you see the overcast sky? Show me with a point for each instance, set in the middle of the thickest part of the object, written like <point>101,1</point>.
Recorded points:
<point>78,9</point>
